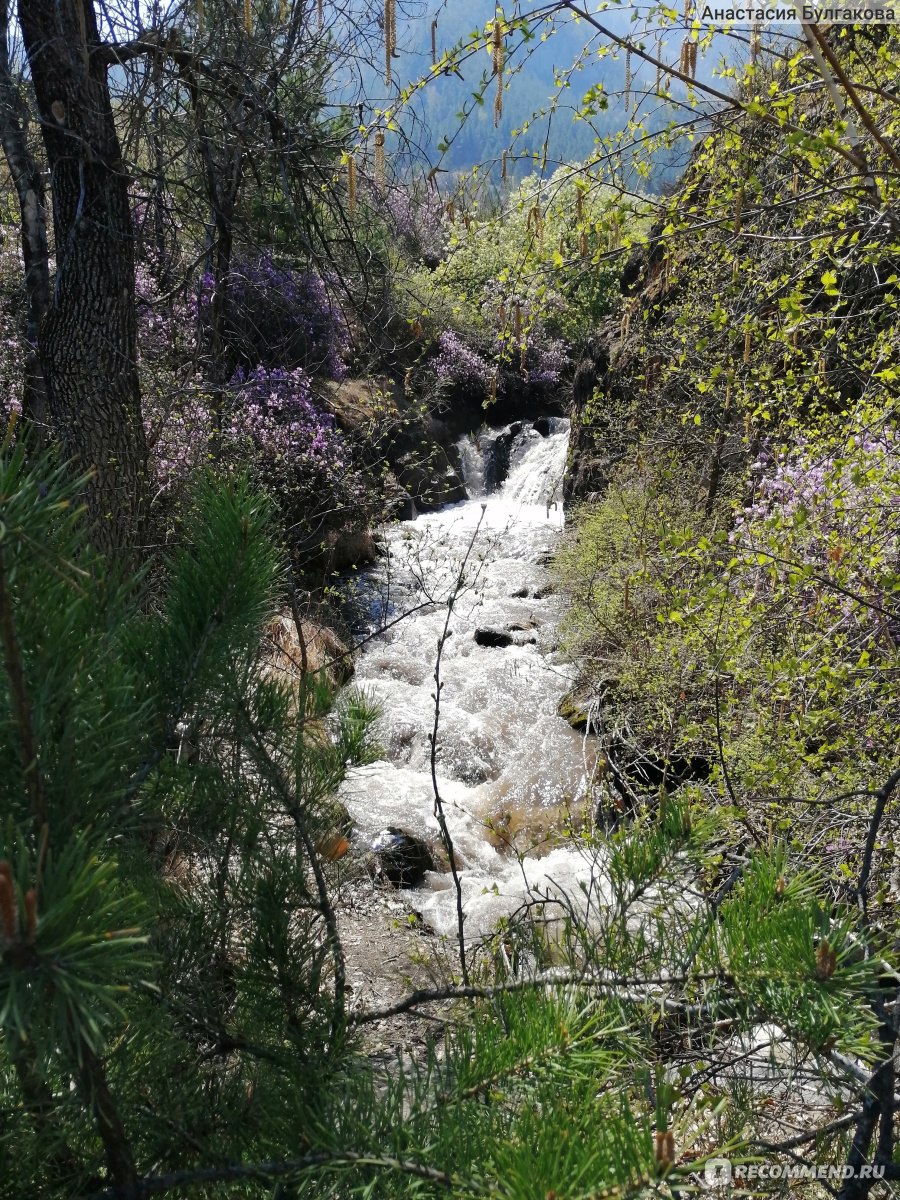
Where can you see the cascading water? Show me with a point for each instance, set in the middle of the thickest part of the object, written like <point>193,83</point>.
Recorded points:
<point>505,757</point>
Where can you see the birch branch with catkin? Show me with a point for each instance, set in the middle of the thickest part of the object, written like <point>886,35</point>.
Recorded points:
<point>390,17</point>
<point>498,55</point>
<point>380,164</point>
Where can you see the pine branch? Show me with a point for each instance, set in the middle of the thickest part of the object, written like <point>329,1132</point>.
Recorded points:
<point>41,1107</point>
<point>289,799</point>
<point>100,1103</point>
<point>239,1172</point>
<point>622,988</point>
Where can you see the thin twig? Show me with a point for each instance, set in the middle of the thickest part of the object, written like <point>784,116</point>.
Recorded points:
<point>433,739</point>
<point>238,1172</point>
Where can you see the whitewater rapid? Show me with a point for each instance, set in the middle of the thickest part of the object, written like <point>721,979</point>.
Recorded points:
<point>506,760</point>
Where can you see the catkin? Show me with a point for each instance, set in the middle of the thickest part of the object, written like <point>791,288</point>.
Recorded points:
<point>795,182</point>
<point>503,166</point>
<point>693,60</point>
<point>498,55</point>
<point>665,1147</point>
<point>379,161</point>
<point>200,15</point>
<point>248,16</point>
<point>351,184</point>
<point>321,14</point>
<point>390,16</point>
<point>754,44</point>
<point>627,79</point>
<point>434,42</point>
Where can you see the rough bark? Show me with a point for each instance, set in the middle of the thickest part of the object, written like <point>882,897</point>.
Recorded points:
<point>88,340</point>
<point>28,181</point>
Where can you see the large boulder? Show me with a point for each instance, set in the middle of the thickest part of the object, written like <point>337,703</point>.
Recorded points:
<point>388,427</point>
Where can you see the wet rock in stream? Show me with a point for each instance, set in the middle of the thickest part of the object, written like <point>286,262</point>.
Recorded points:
<point>518,634</point>
<point>402,858</point>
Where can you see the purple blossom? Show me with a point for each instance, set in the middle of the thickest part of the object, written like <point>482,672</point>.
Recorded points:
<point>460,365</point>
<point>279,316</point>
<point>417,220</point>
<point>828,516</point>
<point>270,422</point>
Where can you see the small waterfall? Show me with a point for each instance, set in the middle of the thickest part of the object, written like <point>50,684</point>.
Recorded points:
<point>529,459</point>
<point>504,756</point>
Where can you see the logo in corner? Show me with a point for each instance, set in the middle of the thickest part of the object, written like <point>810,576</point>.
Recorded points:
<point>717,1172</point>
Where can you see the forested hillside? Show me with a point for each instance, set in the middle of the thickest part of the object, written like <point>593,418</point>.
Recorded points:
<point>449,603</point>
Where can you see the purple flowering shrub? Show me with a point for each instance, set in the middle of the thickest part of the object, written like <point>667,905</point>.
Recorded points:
<point>417,220</point>
<point>827,524</point>
<point>813,586</point>
<point>459,364</point>
<point>814,594</point>
<point>280,316</point>
<point>479,362</point>
<point>272,425</point>
<point>166,319</point>
<point>13,349</point>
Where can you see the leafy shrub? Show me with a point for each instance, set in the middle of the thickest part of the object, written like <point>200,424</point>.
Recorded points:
<point>771,628</point>
<point>518,288</point>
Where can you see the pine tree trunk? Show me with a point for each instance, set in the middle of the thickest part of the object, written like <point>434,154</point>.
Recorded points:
<point>88,340</point>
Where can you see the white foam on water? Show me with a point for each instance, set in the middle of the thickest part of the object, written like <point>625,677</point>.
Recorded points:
<point>501,746</point>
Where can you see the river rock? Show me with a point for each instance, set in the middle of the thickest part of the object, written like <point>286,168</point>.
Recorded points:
<point>320,650</point>
<point>402,858</point>
<point>518,634</point>
<point>578,703</point>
